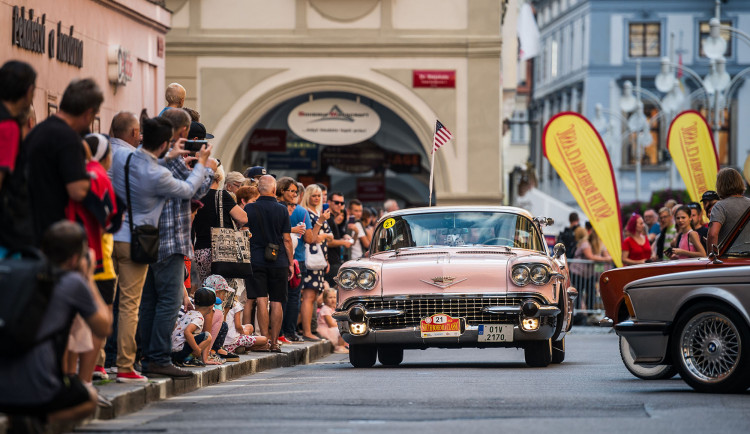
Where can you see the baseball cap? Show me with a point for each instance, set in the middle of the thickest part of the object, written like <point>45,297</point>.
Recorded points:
<point>204,297</point>
<point>254,171</point>
<point>198,130</point>
<point>710,195</point>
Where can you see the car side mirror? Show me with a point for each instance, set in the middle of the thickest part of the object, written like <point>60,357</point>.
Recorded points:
<point>714,254</point>
<point>559,250</point>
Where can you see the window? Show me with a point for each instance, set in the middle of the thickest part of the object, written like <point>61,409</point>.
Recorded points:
<point>553,59</point>
<point>644,40</point>
<point>704,32</point>
<point>519,124</point>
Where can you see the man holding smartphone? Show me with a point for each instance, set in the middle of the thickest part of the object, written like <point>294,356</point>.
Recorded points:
<point>356,230</point>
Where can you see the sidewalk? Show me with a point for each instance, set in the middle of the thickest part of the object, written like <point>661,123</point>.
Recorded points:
<point>129,398</point>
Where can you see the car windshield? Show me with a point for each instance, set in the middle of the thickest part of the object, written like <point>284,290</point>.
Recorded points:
<point>463,228</point>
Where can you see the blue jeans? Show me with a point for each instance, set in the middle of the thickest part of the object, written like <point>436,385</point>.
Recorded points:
<point>160,304</point>
<point>291,308</point>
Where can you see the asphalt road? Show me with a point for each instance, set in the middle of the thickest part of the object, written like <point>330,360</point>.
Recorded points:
<point>450,391</point>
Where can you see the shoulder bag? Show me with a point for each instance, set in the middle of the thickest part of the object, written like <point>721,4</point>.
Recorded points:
<point>271,253</point>
<point>144,239</point>
<point>315,258</point>
<point>230,248</point>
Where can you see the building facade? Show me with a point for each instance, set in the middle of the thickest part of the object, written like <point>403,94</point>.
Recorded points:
<point>118,43</point>
<point>591,48</point>
<point>252,68</point>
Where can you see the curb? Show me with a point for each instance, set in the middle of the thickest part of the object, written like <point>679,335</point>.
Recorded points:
<point>129,398</point>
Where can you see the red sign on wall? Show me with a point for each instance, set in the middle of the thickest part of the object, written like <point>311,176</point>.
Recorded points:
<point>267,141</point>
<point>434,78</point>
<point>371,189</point>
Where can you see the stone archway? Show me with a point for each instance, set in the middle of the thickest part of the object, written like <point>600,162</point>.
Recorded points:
<point>250,108</point>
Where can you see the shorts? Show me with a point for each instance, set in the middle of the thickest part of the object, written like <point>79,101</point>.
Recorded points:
<point>72,394</point>
<point>107,290</point>
<point>180,356</point>
<point>268,282</point>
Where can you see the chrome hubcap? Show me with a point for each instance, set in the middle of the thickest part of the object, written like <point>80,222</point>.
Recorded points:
<point>710,347</point>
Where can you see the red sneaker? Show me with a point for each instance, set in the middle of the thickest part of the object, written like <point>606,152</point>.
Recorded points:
<point>131,377</point>
<point>284,340</point>
<point>100,373</point>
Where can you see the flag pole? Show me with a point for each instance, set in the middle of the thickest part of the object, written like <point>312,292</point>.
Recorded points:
<point>432,168</point>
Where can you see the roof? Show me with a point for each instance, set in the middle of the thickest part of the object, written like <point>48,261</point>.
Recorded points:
<point>458,208</point>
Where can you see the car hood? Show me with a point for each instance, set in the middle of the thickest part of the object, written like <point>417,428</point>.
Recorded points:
<point>429,271</point>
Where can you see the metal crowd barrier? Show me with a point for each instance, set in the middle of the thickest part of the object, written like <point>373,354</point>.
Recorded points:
<point>584,276</point>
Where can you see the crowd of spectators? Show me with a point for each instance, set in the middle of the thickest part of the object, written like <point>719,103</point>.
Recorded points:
<point>125,223</point>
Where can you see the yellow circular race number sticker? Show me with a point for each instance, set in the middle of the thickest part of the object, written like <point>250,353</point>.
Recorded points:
<point>389,223</point>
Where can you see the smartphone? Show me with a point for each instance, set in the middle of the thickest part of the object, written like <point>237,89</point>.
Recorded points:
<point>194,145</point>
<point>668,252</point>
<point>325,206</point>
<point>352,219</point>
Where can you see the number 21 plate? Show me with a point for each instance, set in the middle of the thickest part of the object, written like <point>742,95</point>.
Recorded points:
<point>495,333</point>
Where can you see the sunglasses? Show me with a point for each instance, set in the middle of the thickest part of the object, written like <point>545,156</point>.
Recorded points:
<point>337,202</point>
<point>292,191</point>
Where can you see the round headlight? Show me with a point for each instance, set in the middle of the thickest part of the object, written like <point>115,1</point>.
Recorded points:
<point>366,279</point>
<point>520,275</point>
<point>539,274</point>
<point>347,279</point>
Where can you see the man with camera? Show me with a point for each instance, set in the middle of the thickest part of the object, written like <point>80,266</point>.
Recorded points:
<point>150,185</point>
<point>164,290</point>
<point>356,231</point>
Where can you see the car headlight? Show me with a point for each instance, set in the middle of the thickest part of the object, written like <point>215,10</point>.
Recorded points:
<point>520,275</point>
<point>347,279</point>
<point>366,279</point>
<point>539,274</point>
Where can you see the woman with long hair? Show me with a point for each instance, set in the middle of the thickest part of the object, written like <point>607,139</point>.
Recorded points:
<point>636,248</point>
<point>313,281</point>
<point>726,212</point>
<point>687,243</point>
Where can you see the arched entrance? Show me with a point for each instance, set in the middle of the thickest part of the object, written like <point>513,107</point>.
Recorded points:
<point>406,129</point>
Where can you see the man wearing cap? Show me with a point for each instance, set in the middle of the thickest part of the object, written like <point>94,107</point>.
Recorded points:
<point>708,200</point>
<point>255,172</point>
<point>198,132</point>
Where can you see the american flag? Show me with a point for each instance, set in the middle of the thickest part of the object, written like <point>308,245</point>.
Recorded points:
<point>442,136</point>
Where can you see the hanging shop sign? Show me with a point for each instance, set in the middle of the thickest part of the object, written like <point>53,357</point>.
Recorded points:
<point>334,121</point>
<point>433,78</point>
<point>371,189</point>
<point>298,156</point>
<point>29,34</point>
<point>264,140</point>
<point>359,158</point>
<point>119,65</point>
<point>404,163</point>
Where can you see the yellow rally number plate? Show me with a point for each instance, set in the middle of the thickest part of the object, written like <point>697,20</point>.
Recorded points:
<point>440,326</point>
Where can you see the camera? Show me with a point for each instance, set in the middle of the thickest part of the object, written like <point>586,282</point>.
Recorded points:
<point>668,252</point>
<point>194,145</point>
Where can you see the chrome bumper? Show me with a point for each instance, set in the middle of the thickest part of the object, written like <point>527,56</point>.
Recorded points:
<point>647,339</point>
<point>410,337</point>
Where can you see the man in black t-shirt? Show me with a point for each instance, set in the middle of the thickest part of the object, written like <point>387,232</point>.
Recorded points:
<point>55,156</point>
<point>269,222</point>
<point>336,247</point>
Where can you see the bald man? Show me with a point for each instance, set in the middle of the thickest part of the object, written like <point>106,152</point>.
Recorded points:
<point>125,131</point>
<point>175,96</point>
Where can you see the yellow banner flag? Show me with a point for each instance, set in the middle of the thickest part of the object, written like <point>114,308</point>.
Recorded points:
<point>575,150</point>
<point>692,147</point>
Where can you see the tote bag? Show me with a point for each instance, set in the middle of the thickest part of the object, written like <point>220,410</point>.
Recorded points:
<point>230,248</point>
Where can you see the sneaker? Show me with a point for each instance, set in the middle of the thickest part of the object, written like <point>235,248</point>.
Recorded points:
<point>284,340</point>
<point>100,373</point>
<point>169,370</point>
<point>230,357</point>
<point>192,362</point>
<point>131,377</point>
<point>296,339</point>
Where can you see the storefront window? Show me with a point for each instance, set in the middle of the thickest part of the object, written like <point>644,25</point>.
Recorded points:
<point>644,40</point>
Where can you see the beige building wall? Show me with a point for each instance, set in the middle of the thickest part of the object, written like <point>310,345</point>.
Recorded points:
<point>240,58</point>
<point>135,25</point>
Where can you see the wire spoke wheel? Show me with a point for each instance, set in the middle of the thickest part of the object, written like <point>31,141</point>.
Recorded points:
<point>710,347</point>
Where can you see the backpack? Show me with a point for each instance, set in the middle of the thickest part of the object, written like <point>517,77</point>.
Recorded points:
<point>567,237</point>
<point>26,285</point>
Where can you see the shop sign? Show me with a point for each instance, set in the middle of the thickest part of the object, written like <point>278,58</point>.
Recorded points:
<point>267,140</point>
<point>334,121</point>
<point>371,189</point>
<point>434,78</point>
<point>119,65</point>
<point>359,158</point>
<point>405,163</point>
<point>29,34</point>
<point>298,156</point>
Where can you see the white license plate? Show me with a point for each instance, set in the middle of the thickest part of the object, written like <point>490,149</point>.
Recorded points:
<point>495,333</point>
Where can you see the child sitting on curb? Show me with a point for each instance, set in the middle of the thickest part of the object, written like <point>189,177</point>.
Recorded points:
<point>240,335</point>
<point>190,345</point>
<point>327,326</point>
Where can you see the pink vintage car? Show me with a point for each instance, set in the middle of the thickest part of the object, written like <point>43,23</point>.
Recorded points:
<point>456,277</point>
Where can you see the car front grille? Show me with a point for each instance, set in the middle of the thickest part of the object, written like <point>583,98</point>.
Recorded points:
<point>469,308</point>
